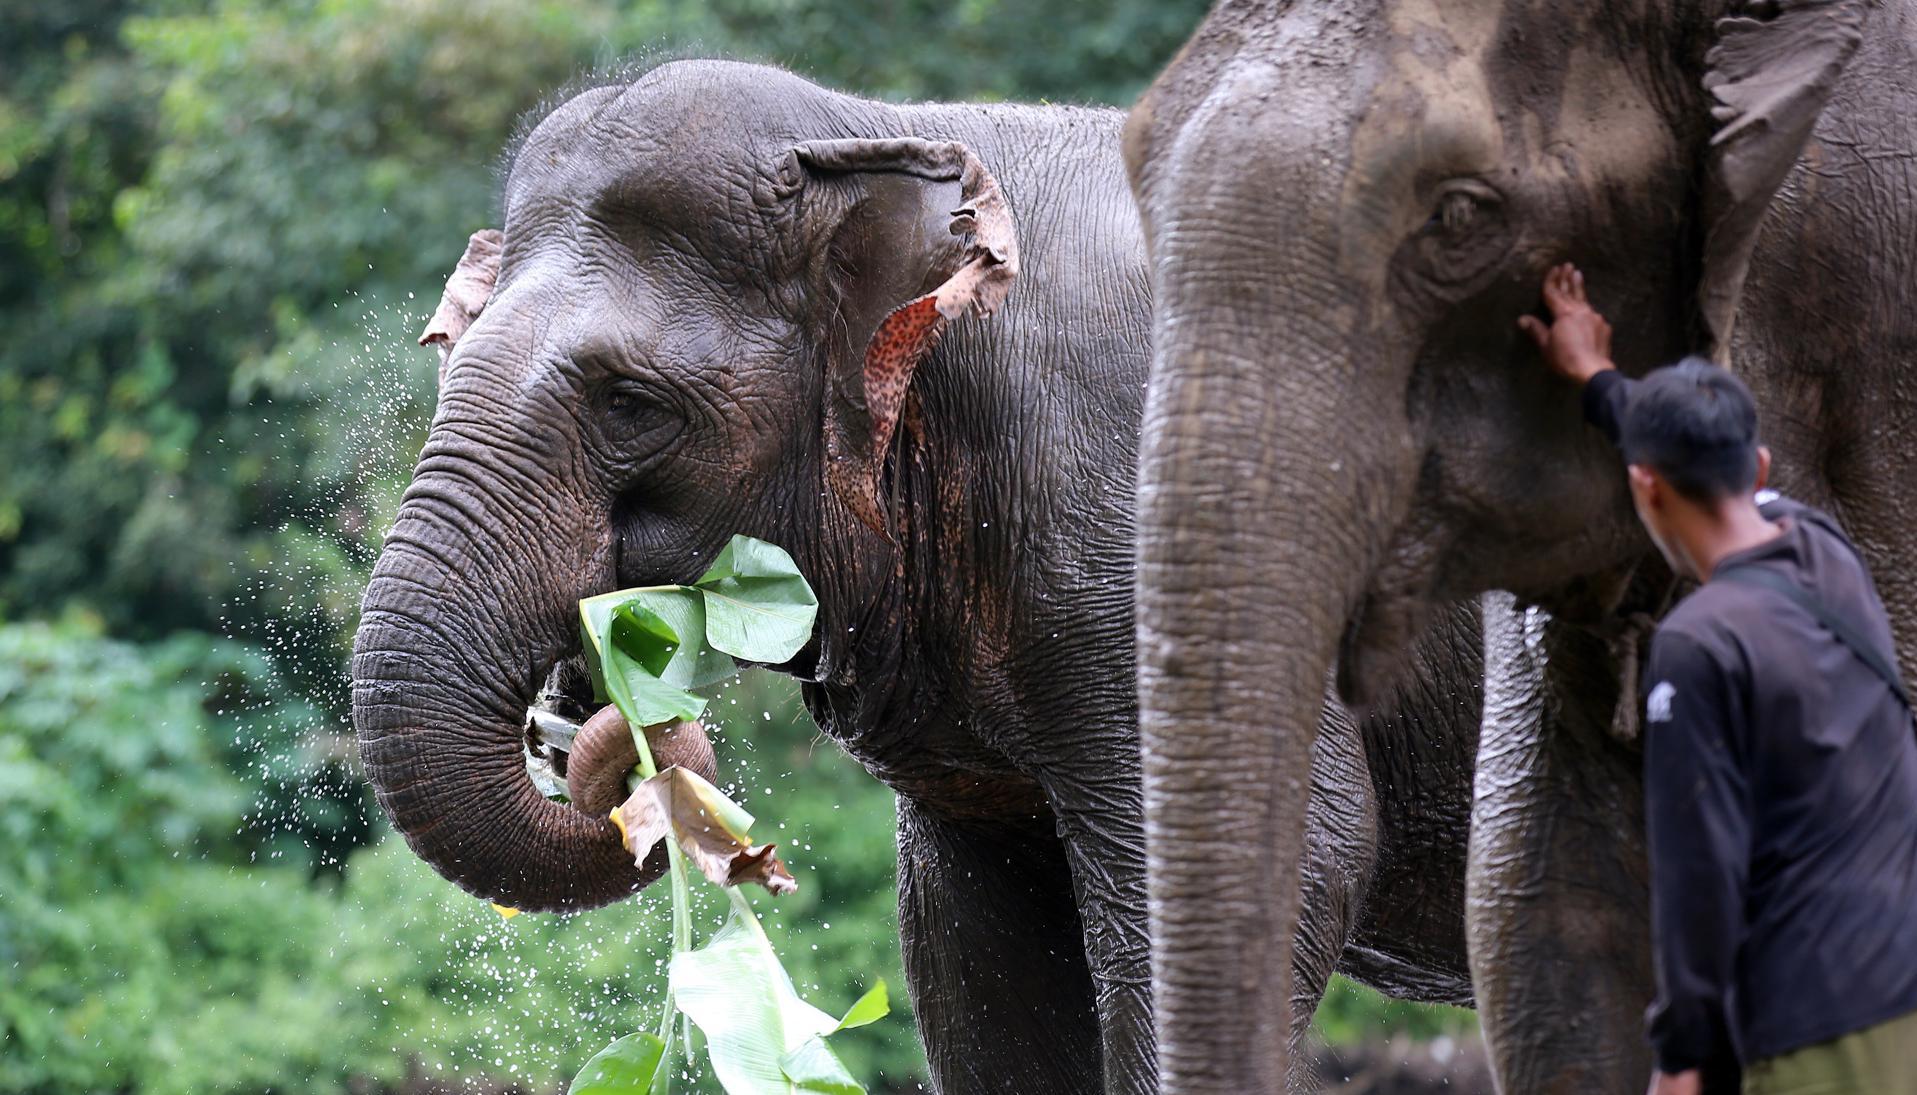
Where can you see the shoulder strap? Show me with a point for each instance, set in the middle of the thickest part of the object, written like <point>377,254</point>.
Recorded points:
<point>1865,650</point>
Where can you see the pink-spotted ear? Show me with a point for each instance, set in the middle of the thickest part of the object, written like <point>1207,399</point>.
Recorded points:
<point>970,265</point>
<point>468,288</point>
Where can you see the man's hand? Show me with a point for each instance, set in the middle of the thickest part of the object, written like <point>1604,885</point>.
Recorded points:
<point>1680,1083</point>
<point>1577,341</point>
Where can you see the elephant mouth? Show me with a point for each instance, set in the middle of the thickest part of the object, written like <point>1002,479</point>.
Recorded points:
<point>567,691</point>
<point>587,758</point>
<point>1374,647</point>
<point>563,704</point>
<point>1352,670</point>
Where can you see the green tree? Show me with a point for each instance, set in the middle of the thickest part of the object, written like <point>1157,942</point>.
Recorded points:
<point>1076,52</point>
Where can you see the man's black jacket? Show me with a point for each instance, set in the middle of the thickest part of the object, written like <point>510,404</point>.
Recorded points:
<point>1781,796</point>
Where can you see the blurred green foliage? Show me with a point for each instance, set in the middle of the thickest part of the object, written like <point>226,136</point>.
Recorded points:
<point>1350,1014</point>
<point>221,223</point>
<point>155,941</point>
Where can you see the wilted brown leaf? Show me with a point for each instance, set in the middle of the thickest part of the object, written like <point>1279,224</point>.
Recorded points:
<point>762,866</point>
<point>710,828</point>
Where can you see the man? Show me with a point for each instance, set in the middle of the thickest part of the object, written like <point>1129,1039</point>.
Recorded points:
<point>1780,759</point>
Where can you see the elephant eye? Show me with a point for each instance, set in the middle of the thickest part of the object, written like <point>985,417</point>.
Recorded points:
<point>627,399</point>
<point>1461,204</point>
<point>1455,211</point>
<point>631,409</point>
<point>1466,234</point>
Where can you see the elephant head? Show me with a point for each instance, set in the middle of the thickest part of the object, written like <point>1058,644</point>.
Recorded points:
<point>1349,204</point>
<point>701,317</point>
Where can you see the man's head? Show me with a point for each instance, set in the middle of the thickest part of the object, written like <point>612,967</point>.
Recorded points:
<point>1690,438</point>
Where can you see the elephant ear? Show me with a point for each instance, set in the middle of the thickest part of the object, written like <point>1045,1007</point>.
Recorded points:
<point>468,288</point>
<point>924,236</point>
<point>1769,73</point>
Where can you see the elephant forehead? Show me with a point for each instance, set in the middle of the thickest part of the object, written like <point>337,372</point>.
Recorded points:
<point>640,314</point>
<point>684,147</point>
<point>1335,119</point>
<point>1430,115</point>
<point>1606,125</point>
<point>614,178</point>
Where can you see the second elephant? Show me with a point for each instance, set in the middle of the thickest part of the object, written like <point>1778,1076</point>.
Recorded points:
<point>1351,203</point>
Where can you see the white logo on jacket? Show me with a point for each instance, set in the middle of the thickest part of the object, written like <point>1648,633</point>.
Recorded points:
<point>1657,705</point>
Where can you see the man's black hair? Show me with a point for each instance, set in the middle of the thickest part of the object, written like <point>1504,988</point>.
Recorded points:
<point>1696,425</point>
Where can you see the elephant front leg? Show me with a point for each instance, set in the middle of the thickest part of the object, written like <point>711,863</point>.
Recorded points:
<point>1557,897</point>
<point>993,956</point>
<point>1101,820</point>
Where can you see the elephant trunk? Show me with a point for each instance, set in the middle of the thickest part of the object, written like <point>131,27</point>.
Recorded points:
<point>472,601</point>
<point>1269,479</point>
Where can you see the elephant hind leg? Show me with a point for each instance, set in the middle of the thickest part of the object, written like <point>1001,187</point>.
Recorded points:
<point>1557,905</point>
<point>995,957</point>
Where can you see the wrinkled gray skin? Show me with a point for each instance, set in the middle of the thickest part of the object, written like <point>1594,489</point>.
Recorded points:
<point>1348,205</point>
<point>662,365</point>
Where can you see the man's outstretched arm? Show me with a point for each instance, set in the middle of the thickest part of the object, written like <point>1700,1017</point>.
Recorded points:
<point>1577,346</point>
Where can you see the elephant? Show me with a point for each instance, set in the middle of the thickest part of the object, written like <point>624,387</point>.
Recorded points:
<point>1348,206</point>
<point>727,300</point>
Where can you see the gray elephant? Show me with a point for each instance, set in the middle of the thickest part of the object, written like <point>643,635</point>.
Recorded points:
<point>1349,205</point>
<point>713,310</point>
